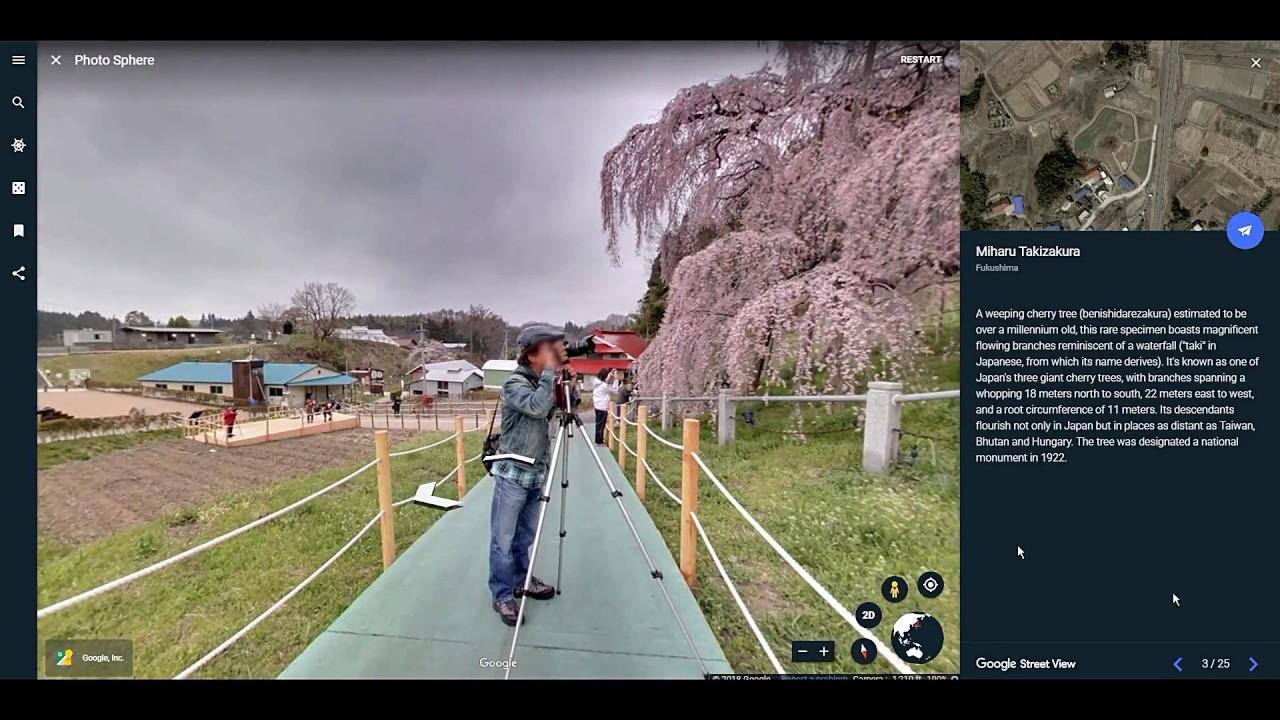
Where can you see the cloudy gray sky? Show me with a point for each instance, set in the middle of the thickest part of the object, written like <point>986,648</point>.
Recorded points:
<point>225,177</point>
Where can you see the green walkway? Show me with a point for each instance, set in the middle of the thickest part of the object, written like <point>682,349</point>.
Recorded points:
<point>430,615</point>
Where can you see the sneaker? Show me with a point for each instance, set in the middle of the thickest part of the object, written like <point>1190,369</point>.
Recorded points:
<point>508,610</point>
<point>538,590</point>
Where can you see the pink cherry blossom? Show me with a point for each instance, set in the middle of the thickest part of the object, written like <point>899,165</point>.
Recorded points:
<point>800,210</point>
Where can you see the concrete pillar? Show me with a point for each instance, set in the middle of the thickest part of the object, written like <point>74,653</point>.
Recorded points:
<point>880,437</point>
<point>726,417</point>
<point>666,412</point>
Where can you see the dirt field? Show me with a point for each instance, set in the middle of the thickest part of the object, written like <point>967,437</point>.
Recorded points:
<point>86,501</point>
<point>98,404</point>
<point>1017,64</point>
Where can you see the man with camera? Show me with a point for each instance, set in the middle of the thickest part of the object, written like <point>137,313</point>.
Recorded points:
<point>528,405</point>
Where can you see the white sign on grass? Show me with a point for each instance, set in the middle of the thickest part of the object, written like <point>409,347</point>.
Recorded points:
<point>78,375</point>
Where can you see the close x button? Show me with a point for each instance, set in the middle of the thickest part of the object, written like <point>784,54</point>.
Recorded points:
<point>813,651</point>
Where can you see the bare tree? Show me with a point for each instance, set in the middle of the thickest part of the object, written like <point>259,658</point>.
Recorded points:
<point>272,315</point>
<point>323,305</point>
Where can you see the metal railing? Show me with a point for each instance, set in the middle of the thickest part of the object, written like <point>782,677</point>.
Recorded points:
<point>882,430</point>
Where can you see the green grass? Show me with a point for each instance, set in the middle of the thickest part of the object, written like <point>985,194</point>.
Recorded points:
<point>182,612</point>
<point>124,367</point>
<point>1109,122</point>
<point>65,451</point>
<point>849,529</point>
<point>1141,162</point>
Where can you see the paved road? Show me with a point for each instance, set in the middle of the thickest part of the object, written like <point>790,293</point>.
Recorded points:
<point>1170,77</point>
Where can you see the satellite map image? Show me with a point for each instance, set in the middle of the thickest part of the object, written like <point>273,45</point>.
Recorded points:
<point>1119,135</point>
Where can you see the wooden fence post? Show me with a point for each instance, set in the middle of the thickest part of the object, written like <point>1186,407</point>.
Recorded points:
<point>608,426</point>
<point>382,446</point>
<point>622,437</point>
<point>689,503</point>
<point>642,418</point>
<point>461,453</point>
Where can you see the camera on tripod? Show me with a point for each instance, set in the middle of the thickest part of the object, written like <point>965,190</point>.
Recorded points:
<point>565,397</point>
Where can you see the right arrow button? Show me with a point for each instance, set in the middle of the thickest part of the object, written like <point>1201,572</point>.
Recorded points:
<point>1254,665</point>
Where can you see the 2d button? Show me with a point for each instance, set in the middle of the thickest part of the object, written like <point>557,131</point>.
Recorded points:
<point>930,584</point>
<point>813,651</point>
<point>868,615</point>
<point>863,651</point>
<point>894,589</point>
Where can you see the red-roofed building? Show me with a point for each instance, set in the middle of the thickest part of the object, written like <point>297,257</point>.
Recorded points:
<point>627,341</point>
<point>615,350</point>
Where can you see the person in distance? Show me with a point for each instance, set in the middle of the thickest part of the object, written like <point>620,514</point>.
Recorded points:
<point>528,404</point>
<point>606,388</point>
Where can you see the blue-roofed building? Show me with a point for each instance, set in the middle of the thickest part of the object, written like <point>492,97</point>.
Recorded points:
<point>1017,204</point>
<point>1081,192</point>
<point>1055,226</point>
<point>280,380</point>
<point>1125,182</point>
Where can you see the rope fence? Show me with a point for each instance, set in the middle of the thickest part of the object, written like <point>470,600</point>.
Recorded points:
<point>384,516</point>
<point>885,397</point>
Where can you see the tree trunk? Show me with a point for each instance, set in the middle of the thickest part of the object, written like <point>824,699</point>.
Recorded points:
<point>763,361</point>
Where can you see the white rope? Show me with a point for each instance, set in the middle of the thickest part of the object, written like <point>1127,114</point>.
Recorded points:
<point>120,582</point>
<point>194,667</point>
<point>663,440</point>
<point>724,574</point>
<point>817,587</point>
<point>210,544</point>
<point>476,429</point>
<point>733,590</point>
<point>654,477</point>
<point>438,443</point>
<point>477,457</point>
<point>629,450</point>
<point>288,596</point>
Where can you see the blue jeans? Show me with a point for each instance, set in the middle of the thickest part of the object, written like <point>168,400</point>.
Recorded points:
<point>513,521</point>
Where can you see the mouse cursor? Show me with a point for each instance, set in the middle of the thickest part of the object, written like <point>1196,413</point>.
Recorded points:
<point>1177,601</point>
<point>1020,555</point>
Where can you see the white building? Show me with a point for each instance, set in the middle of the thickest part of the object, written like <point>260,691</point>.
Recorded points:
<point>365,334</point>
<point>453,383</point>
<point>75,338</point>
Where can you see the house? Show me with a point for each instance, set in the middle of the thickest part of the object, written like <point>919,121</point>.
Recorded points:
<point>455,346</point>
<point>454,382</point>
<point>615,350</point>
<point>1126,183</point>
<point>1017,204</point>
<point>1110,92</point>
<point>1081,192</point>
<point>422,370</point>
<point>1197,226</point>
<point>364,334</point>
<point>1092,177</point>
<point>152,337</point>
<point>276,380</point>
<point>1053,227</point>
<point>407,343</point>
<point>1004,207</point>
<point>496,372</point>
<point>86,338</point>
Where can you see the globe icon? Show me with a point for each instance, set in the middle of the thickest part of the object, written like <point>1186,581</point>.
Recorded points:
<point>917,637</point>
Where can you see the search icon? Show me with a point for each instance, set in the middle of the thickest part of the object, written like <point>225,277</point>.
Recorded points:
<point>17,102</point>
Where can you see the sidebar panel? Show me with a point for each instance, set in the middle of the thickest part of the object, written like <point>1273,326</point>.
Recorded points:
<point>18,223</point>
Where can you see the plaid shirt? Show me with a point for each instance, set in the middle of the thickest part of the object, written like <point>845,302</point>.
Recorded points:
<point>526,411</point>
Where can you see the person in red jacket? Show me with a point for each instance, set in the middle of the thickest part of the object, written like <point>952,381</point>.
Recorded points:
<point>229,419</point>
